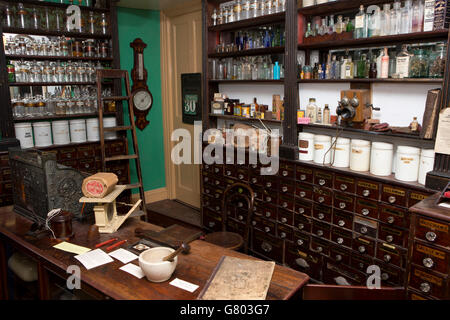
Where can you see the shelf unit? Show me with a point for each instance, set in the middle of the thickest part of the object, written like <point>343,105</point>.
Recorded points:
<point>64,117</point>
<point>54,58</point>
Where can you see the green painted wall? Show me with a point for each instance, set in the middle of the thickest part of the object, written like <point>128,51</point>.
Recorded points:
<point>144,24</point>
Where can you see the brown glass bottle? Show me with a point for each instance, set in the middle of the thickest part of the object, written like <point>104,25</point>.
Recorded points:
<point>373,70</point>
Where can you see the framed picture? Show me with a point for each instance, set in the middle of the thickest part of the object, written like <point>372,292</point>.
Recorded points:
<point>191,90</point>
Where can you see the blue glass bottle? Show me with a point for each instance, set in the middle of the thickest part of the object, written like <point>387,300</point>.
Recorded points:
<point>276,71</point>
<point>267,41</point>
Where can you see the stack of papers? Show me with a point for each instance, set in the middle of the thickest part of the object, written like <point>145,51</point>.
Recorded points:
<point>94,258</point>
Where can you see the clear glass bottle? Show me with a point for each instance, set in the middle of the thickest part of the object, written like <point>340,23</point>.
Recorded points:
<point>323,29</point>
<point>396,18</point>
<point>22,14</point>
<point>28,105</point>
<point>8,18</point>
<point>35,19</point>
<point>374,23</point>
<point>311,110</point>
<point>385,20</point>
<point>402,65</point>
<point>349,68</point>
<point>103,24</point>
<point>360,23</point>
<point>418,65</point>
<point>237,9</point>
<point>309,32</point>
<point>91,23</point>
<point>437,61</point>
<point>339,25</point>
<point>331,26</point>
<point>245,9</point>
<point>417,16</point>
<point>406,20</point>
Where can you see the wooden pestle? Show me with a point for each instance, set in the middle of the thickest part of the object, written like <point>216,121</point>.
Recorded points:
<point>183,248</point>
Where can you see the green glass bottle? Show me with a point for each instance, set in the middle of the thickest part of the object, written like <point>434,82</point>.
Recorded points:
<point>362,64</point>
<point>350,26</point>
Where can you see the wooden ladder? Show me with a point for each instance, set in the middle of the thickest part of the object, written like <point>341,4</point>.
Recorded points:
<point>116,74</point>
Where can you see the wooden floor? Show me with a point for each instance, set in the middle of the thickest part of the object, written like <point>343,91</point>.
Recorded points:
<point>168,212</point>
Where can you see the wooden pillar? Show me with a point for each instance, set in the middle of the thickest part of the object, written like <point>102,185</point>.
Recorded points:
<point>289,148</point>
<point>3,273</point>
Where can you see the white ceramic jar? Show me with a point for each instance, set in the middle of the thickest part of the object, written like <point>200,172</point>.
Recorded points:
<point>92,130</point>
<point>78,131</point>
<point>306,146</point>
<point>360,155</point>
<point>340,154</point>
<point>381,158</point>
<point>408,159</point>
<point>24,133</point>
<point>308,3</point>
<point>108,123</point>
<point>60,131</point>
<point>42,134</point>
<point>321,1</point>
<point>322,152</point>
<point>426,164</point>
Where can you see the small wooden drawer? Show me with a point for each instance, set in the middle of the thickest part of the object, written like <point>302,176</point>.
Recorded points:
<point>5,174</point>
<point>321,230</point>
<point>304,173</point>
<point>235,226</point>
<point>217,193</point>
<point>323,196</point>
<point>229,170</point>
<point>116,148</point>
<point>344,202</point>
<point>340,255</point>
<point>394,195</point>
<point>268,211</point>
<point>4,160</point>
<point>320,246</point>
<point>323,178</point>
<point>286,201</point>
<point>207,201</point>
<point>432,231</point>
<point>428,283</point>
<point>302,240</point>
<point>241,215</point>
<point>287,186</point>
<point>87,165</point>
<point>286,170</point>
<point>271,182</point>
<point>364,245</point>
<point>413,295</point>
<point>322,213</point>
<point>270,196</point>
<point>268,227</point>
<point>391,255</point>
<point>303,207</point>
<point>256,179</point>
<point>85,152</point>
<point>341,237</point>
<point>285,232</point>
<point>242,175</point>
<point>70,163</point>
<point>208,190</point>
<point>366,208</point>
<point>368,189</point>
<point>366,227</point>
<point>207,178</point>
<point>304,191</point>
<point>431,257</point>
<point>340,274</point>
<point>268,246</point>
<point>302,223</point>
<point>6,200</point>
<point>304,260</point>
<point>391,275</point>
<point>343,219</point>
<point>361,262</point>
<point>394,216</point>
<point>67,154</point>
<point>415,197</point>
<point>212,220</point>
<point>344,183</point>
<point>393,235</point>
<point>286,217</point>
<point>6,188</point>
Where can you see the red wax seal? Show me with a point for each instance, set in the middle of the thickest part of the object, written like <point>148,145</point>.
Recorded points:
<point>94,187</point>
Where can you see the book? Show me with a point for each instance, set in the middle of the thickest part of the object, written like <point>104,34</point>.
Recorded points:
<point>431,114</point>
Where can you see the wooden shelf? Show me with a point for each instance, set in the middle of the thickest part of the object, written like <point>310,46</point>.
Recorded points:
<point>382,40</point>
<point>53,58</point>
<point>250,23</point>
<point>67,116</point>
<point>248,81</point>
<point>237,118</point>
<point>252,52</point>
<point>405,80</point>
<point>60,5</point>
<point>339,6</point>
<point>52,84</point>
<point>52,147</point>
<point>56,33</point>
<point>334,128</point>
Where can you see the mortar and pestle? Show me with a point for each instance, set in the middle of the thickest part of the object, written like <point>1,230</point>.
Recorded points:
<point>158,264</point>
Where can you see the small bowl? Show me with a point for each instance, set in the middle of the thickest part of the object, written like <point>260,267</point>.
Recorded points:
<point>153,267</point>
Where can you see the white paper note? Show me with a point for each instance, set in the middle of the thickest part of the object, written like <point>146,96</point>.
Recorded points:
<point>94,258</point>
<point>134,270</point>
<point>123,255</point>
<point>184,285</point>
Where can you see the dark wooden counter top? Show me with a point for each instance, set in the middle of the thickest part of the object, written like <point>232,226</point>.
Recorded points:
<point>428,207</point>
<point>195,267</point>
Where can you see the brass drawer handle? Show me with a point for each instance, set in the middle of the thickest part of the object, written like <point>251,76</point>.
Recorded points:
<point>321,216</point>
<point>302,194</point>
<point>206,179</point>
<point>241,218</point>
<point>319,249</point>
<point>211,224</point>
<point>285,173</point>
<point>285,204</point>
<point>364,230</point>
<point>240,204</point>
<point>387,257</point>
<point>389,238</point>
<point>284,189</point>
<point>384,276</point>
<point>254,223</point>
<point>267,229</point>
<point>241,177</point>
<point>362,249</point>
<point>216,170</point>
<point>228,173</point>
<point>266,247</point>
<point>254,180</point>
<point>390,220</point>
<point>268,184</point>
<point>217,208</point>
<point>321,199</point>
<point>319,233</point>
<point>268,199</point>
<point>217,182</point>
<point>338,257</point>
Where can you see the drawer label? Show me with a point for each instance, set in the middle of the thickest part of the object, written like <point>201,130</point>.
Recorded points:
<point>343,198</point>
<point>431,252</point>
<point>398,192</point>
<point>394,212</point>
<point>367,185</point>
<point>418,196</point>
<point>341,233</point>
<point>304,170</point>
<point>345,179</point>
<point>323,175</point>
<point>433,225</point>
<point>388,248</point>
<point>392,231</point>
<point>428,277</point>
<point>366,203</point>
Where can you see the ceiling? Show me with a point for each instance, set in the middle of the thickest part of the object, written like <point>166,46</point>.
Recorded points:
<point>151,4</point>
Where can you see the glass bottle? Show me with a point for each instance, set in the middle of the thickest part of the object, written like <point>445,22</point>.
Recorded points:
<point>35,19</point>
<point>406,17</point>
<point>8,19</point>
<point>385,65</point>
<point>103,24</point>
<point>373,70</point>
<point>213,17</point>
<point>361,67</point>
<point>331,26</point>
<point>237,8</point>
<point>349,25</point>
<point>323,29</point>
<point>315,72</point>
<point>339,25</point>
<point>311,110</point>
<point>402,64</point>
<point>326,115</point>
<point>22,14</point>
<point>18,107</point>
<point>392,65</point>
<point>418,65</point>
<point>308,32</point>
<point>245,9</point>
<point>437,61</point>
<point>385,20</point>
<point>396,18</point>
<point>417,16</point>
<point>349,68</point>
<point>374,23</point>
<point>360,23</point>
<point>28,105</point>
<point>334,68</point>
<point>91,23</point>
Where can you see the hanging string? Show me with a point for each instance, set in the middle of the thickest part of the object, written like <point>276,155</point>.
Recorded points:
<point>339,131</point>
<point>52,214</point>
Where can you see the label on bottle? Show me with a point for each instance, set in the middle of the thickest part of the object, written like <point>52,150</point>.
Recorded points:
<point>403,67</point>
<point>359,22</point>
<point>428,15</point>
